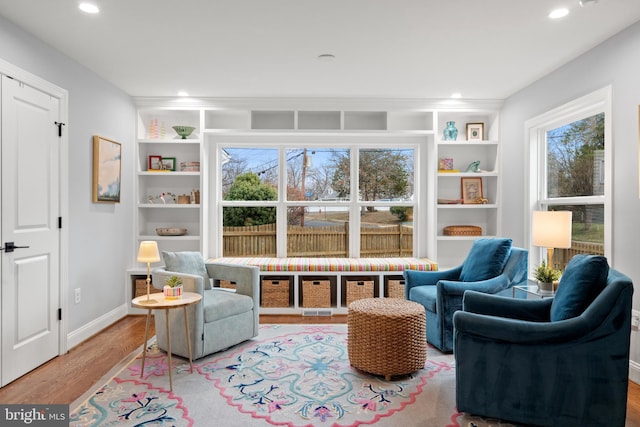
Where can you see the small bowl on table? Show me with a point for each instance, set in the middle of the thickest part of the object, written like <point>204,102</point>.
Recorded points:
<point>183,131</point>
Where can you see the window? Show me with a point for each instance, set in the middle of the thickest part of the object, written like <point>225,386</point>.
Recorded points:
<point>570,170</point>
<point>316,200</point>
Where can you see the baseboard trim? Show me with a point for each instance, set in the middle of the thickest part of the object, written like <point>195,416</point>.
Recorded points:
<point>90,329</point>
<point>634,371</point>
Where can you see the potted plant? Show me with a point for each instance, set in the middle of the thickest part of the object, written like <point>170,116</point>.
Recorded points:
<point>173,288</point>
<point>546,276</point>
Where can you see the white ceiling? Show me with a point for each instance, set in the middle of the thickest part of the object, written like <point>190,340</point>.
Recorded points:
<point>383,48</point>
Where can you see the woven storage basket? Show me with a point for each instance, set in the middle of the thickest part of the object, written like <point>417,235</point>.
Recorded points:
<point>141,288</point>
<point>316,293</point>
<point>227,284</point>
<point>462,230</point>
<point>395,288</point>
<point>358,289</point>
<point>275,293</point>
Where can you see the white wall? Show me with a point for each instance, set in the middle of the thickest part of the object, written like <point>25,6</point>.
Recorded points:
<point>100,248</point>
<point>615,62</point>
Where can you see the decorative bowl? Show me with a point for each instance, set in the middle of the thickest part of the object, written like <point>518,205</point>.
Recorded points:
<point>183,131</point>
<point>171,231</point>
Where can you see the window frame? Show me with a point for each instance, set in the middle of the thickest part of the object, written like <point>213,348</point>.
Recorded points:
<point>536,129</point>
<point>353,205</point>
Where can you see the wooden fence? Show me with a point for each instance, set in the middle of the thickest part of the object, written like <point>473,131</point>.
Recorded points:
<point>333,241</point>
<point>561,257</point>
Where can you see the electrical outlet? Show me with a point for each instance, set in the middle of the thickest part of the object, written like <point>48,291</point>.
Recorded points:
<point>77,295</point>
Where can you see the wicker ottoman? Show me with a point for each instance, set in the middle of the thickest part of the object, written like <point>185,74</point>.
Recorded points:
<point>387,336</point>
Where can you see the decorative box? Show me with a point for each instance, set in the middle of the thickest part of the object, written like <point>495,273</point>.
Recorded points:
<point>190,166</point>
<point>462,230</point>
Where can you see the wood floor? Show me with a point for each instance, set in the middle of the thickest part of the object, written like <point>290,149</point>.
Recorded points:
<point>67,377</point>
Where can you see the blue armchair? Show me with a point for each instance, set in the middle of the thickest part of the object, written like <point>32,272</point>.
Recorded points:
<point>492,266</point>
<point>550,362</point>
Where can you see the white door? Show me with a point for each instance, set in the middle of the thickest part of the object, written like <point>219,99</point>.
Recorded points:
<point>29,183</point>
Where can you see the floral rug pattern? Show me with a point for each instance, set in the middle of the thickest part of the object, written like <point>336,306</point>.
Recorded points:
<point>291,375</point>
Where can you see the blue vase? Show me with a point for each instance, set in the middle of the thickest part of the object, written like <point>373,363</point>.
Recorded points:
<point>450,132</point>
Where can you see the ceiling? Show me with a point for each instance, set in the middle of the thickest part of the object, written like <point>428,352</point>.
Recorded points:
<point>269,48</point>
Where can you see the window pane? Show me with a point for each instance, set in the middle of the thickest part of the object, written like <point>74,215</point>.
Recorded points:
<point>318,174</point>
<point>587,232</point>
<point>249,231</point>
<point>249,174</point>
<point>314,231</point>
<point>386,232</point>
<point>385,174</point>
<point>575,158</point>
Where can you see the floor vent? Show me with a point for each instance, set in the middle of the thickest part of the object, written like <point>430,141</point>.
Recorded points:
<point>317,313</point>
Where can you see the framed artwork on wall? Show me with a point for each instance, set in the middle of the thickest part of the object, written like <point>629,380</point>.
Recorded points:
<point>475,131</point>
<point>107,168</point>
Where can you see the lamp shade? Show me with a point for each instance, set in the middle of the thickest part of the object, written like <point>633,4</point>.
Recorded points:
<point>148,251</point>
<point>551,229</point>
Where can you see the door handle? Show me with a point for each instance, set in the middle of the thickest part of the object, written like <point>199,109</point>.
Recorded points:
<point>11,246</point>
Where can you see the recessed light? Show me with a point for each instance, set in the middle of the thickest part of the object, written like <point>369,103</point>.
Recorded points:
<point>559,13</point>
<point>326,57</point>
<point>456,95</point>
<point>89,8</point>
<point>183,93</point>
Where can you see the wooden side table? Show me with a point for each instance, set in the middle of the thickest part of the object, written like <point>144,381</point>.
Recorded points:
<point>159,302</point>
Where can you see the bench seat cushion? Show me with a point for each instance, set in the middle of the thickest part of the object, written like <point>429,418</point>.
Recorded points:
<point>333,264</point>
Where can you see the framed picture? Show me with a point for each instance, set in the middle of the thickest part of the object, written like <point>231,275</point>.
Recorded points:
<point>471,190</point>
<point>169,163</point>
<point>475,131</point>
<point>155,163</point>
<point>107,166</point>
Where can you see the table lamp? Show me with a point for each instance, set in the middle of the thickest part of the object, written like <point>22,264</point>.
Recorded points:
<point>148,253</point>
<point>551,229</point>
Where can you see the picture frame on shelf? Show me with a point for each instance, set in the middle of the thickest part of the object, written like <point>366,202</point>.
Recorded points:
<point>475,131</point>
<point>471,190</point>
<point>155,163</point>
<point>169,163</point>
<point>107,170</point>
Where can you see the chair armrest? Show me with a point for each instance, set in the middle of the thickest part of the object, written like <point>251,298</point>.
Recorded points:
<point>190,282</point>
<point>501,306</point>
<point>513,331</point>
<point>414,278</point>
<point>247,277</point>
<point>490,286</point>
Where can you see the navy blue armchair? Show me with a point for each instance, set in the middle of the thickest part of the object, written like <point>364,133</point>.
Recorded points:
<point>492,266</point>
<point>560,361</point>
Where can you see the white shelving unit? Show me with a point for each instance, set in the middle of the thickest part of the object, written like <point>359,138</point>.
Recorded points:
<point>419,122</point>
<point>451,250</point>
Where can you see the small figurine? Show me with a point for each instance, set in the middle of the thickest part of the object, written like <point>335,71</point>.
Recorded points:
<point>473,166</point>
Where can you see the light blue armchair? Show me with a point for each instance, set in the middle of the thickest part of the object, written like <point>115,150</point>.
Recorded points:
<point>561,361</point>
<point>492,266</point>
<point>223,318</point>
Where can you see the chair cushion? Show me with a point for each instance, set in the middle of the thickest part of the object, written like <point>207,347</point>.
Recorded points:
<point>187,262</point>
<point>486,259</point>
<point>425,295</point>
<point>220,304</point>
<point>584,278</point>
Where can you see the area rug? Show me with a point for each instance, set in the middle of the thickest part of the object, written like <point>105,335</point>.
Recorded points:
<point>290,375</point>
